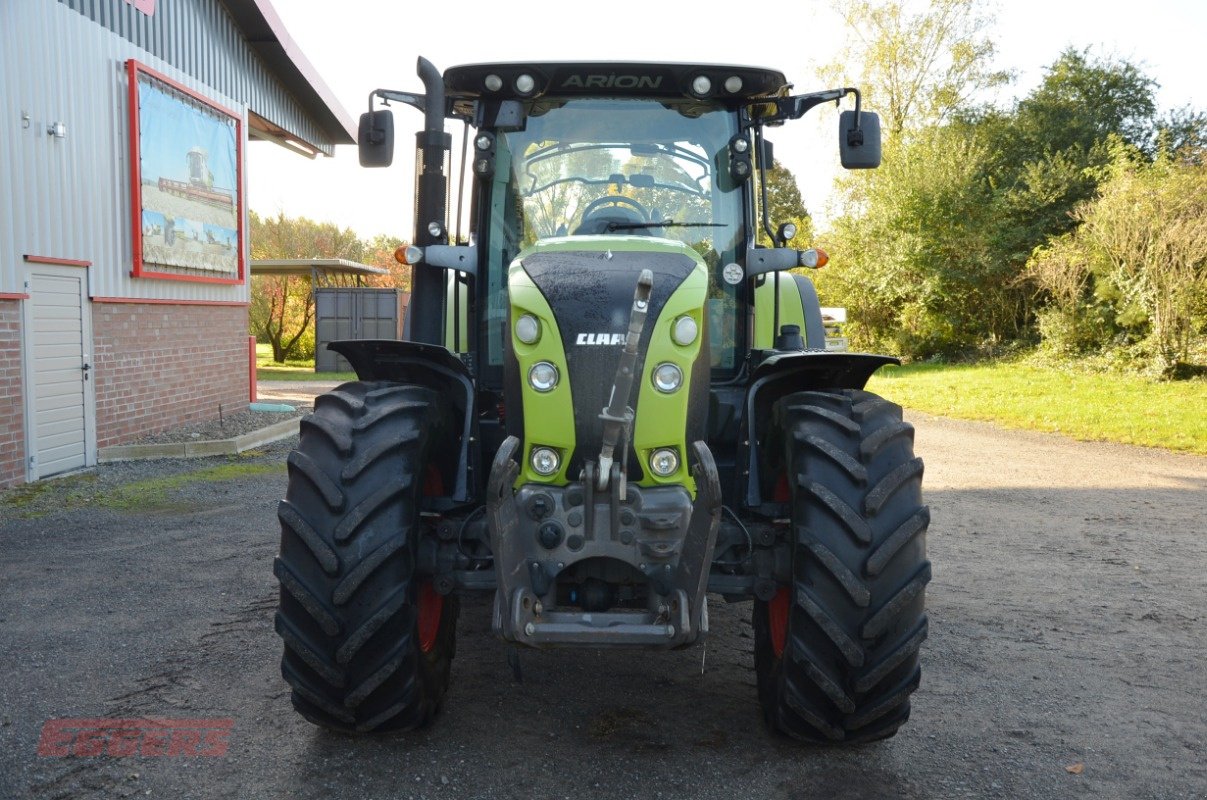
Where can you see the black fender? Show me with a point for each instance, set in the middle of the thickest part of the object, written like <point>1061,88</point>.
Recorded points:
<point>815,328</point>
<point>781,374</point>
<point>435,367</point>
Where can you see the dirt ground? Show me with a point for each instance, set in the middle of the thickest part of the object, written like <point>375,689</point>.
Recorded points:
<point>1068,627</point>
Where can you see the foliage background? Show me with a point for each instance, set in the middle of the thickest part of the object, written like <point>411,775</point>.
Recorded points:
<point>1070,221</point>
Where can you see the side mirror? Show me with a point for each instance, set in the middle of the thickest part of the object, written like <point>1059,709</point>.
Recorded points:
<point>375,138</point>
<point>859,147</point>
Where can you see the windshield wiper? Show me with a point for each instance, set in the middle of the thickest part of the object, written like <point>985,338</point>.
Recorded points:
<point>670,223</point>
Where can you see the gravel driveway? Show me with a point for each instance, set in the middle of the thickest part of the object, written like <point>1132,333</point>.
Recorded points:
<point>1066,655</point>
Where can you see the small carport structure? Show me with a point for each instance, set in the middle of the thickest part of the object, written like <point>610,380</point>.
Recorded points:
<point>321,271</point>
<point>344,308</point>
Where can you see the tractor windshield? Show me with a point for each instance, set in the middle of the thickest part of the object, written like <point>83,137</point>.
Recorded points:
<point>620,166</point>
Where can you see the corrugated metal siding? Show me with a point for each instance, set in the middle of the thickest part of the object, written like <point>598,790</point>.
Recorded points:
<point>201,40</point>
<point>70,198</point>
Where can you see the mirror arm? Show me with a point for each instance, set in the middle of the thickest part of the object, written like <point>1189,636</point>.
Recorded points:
<point>412,99</point>
<point>855,135</point>
<point>459,257</point>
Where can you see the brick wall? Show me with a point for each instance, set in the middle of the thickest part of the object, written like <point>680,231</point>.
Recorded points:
<point>159,366</point>
<point>12,415</point>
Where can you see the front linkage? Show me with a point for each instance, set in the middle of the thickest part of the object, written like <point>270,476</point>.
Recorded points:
<point>538,532</point>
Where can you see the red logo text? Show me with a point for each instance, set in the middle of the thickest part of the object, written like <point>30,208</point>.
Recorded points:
<point>135,737</point>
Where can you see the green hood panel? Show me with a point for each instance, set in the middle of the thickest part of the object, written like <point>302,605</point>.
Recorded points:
<point>661,419</point>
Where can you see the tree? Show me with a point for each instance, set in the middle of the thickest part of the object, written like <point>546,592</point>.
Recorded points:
<point>913,264</point>
<point>379,252</point>
<point>933,246</point>
<point>282,307</point>
<point>916,65</point>
<point>1138,261</point>
<point>785,204</point>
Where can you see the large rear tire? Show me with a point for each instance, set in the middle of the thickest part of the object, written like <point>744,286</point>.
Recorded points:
<point>836,653</point>
<point>368,643</point>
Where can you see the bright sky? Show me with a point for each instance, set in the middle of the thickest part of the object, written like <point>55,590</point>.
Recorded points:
<point>367,44</point>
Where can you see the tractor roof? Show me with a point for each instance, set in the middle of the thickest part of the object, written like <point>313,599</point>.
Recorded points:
<point>613,78</point>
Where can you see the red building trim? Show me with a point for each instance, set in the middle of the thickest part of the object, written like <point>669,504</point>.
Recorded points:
<point>13,296</point>
<point>133,68</point>
<point>155,301</point>
<point>62,262</point>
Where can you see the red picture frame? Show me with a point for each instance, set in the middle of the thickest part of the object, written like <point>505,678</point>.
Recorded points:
<point>139,268</point>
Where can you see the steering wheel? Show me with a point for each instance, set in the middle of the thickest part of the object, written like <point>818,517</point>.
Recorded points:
<point>612,209</point>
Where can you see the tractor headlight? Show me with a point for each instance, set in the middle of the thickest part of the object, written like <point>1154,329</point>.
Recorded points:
<point>528,329</point>
<point>685,330</point>
<point>664,462</point>
<point>667,377</point>
<point>542,376</point>
<point>545,460</point>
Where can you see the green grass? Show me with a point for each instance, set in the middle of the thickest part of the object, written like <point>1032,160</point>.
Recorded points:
<point>292,370</point>
<point>1083,405</point>
<point>155,494</point>
<point>149,495</point>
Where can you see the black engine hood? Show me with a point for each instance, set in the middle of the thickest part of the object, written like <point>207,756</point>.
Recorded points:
<point>590,294</point>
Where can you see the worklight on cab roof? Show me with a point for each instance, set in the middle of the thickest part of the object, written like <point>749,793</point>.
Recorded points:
<point>701,85</point>
<point>493,83</point>
<point>525,84</point>
<point>733,84</point>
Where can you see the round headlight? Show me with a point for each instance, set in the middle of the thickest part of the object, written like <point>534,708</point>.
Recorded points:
<point>484,141</point>
<point>524,84</point>
<point>685,330</point>
<point>545,460</point>
<point>528,330</point>
<point>701,85</point>
<point>493,83</point>
<point>667,377</point>
<point>435,229</point>
<point>664,462</point>
<point>542,376</point>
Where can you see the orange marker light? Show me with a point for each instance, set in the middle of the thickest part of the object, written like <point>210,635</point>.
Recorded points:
<point>814,258</point>
<point>408,254</point>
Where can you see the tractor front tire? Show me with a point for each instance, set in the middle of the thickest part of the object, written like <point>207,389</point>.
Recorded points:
<point>368,642</point>
<point>836,653</point>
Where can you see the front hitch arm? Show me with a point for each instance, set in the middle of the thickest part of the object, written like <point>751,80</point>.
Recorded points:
<point>617,417</point>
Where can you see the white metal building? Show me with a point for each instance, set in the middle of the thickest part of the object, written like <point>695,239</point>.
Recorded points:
<point>123,246</point>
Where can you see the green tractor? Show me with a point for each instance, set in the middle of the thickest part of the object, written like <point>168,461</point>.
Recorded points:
<point>613,404</point>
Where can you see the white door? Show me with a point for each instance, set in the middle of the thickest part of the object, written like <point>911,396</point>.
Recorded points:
<point>58,391</point>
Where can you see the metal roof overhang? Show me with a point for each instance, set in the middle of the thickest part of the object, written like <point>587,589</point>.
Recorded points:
<point>267,36</point>
<point>315,268</point>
